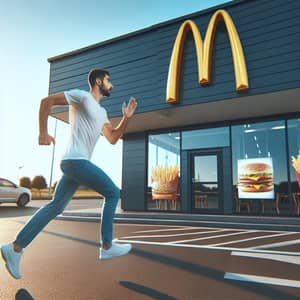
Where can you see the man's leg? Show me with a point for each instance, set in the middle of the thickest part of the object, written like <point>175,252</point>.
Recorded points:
<point>12,253</point>
<point>93,177</point>
<point>64,191</point>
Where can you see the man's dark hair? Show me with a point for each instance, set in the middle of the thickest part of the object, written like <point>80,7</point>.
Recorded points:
<point>96,73</point>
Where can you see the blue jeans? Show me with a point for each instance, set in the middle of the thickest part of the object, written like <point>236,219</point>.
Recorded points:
<point>75,172</point>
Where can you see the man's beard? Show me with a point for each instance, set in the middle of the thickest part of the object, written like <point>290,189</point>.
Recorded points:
<point>104,91</point>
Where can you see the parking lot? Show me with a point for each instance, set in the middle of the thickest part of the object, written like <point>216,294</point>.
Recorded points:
<point>167,262</point>
<point>248,245</point>
<point>281,242</point>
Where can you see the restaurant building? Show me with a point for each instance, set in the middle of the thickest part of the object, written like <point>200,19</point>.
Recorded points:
<point>218,117</point>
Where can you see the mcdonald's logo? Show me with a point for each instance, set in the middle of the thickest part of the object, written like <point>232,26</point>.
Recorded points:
<point>204,55</point>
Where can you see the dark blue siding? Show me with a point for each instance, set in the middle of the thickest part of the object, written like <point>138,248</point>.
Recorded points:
<point>134,172</point>
<point>270,35</point>
<point>269,32</point>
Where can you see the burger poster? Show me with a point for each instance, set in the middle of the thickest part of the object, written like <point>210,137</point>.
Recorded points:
<point>255,178</point>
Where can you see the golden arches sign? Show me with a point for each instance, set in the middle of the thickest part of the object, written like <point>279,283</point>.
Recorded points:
<point>204,55</point>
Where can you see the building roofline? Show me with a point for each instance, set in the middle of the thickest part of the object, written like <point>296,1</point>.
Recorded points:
<point>144,30</point>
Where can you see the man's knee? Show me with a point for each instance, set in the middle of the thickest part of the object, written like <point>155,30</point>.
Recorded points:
<point>54,208</point>
<point>113,193</point>
<point>116,193</point>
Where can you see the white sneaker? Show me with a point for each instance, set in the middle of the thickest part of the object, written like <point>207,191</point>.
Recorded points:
<point>115,250</point>
<point>12,260</point>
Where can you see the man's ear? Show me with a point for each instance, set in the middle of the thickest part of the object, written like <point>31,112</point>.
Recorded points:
<point>99,81</point>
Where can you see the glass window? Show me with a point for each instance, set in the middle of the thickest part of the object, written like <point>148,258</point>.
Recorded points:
<point>163,171</point>
<point>259,161</point>
<point>6,183</point>
<point>205,181</point>
<point>294,159</point>
<point>205,138</point>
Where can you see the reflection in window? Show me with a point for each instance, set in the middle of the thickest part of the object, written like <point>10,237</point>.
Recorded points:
<point>163,171</point>
<point>6,183</point>
<point>205,183</point>
<point>260,143</point>
<point>205,168</point>
<point>294,149</point>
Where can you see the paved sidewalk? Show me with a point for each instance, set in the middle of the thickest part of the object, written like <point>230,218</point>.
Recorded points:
<point>89,210</point>
<point>93,214</point>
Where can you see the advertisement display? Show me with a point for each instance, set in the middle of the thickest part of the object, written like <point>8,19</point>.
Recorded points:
<point>296,165</point>
<point>255,178</point>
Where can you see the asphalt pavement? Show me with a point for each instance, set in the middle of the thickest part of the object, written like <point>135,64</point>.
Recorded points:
<point>167,262</point>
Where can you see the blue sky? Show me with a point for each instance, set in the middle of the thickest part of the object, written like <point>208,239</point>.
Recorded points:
<point>34,30</point>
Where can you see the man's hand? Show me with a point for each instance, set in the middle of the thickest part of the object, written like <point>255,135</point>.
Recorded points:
<point>128,110</point>
<point>46,139</point>
<point>113,134</point>
<point>45,109</point>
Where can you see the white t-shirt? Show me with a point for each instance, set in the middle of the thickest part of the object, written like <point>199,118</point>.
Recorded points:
<point>86,118</point>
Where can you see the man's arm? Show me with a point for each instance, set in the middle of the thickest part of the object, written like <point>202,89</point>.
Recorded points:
<point>45,109</point>
<point>113,134</point>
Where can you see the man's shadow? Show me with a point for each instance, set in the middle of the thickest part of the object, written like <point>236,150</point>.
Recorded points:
<point>7,211</point>
<point>23,294</point>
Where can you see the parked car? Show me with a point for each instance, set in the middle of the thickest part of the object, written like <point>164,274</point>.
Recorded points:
<point>12,193</point>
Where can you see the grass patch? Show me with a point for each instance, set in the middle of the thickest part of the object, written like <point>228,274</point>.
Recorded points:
<point>80,194</point>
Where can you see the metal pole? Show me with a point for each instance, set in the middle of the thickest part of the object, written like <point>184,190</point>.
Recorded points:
<point>19,168</point>
<point>52,162</point>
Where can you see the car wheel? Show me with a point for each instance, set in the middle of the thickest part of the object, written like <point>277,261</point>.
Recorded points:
<point>23,200</point>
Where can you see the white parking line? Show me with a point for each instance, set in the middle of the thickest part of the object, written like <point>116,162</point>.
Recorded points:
<point>253,238</point>
<point>172,235</point>
<point>263,279</point>
<point>204,247</point>
<point>179,228</point>
<point>277,257</point>
<point>281,244</point>
<point>212,237</point>
<point>138,240</point>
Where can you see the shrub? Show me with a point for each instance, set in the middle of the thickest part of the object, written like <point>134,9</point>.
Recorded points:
<point>25,182</point>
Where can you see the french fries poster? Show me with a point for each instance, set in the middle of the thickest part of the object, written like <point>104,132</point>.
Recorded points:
<point>296,165</point>
<point>165,178</point>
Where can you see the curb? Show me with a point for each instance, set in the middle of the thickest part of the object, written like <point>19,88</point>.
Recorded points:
<point>197,221</point>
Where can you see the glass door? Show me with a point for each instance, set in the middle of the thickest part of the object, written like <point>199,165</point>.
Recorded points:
<point>206,181</point>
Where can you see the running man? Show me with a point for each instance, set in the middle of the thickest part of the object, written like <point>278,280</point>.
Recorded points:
<point>88,120</point>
